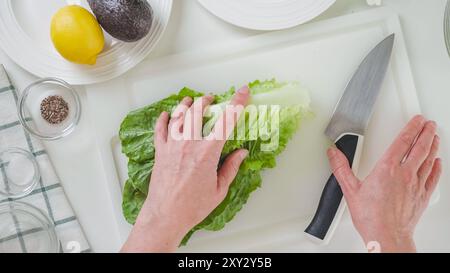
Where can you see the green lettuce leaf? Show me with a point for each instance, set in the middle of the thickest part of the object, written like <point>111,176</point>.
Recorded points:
<point>137,129</point>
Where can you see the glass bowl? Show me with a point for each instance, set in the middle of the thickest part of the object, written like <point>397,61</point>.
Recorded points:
<point>19,173</point>
<point>25,228</point>
<point>29,108</point>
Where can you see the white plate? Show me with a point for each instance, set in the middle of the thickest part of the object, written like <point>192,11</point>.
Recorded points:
<point>25,37</point>
<point>266,14</point>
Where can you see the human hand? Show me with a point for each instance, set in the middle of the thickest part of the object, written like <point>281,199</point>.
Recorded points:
<point>186,185</point>
<point>386,206</point>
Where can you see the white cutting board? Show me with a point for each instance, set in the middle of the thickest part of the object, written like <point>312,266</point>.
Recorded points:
<point>322,56</point>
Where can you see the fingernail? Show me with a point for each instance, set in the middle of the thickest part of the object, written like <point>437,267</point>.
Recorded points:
<point>331,151</point>
<point>187,100</point>
<point>244,154</point>
<point>421,118</point>
<point>244,90</point>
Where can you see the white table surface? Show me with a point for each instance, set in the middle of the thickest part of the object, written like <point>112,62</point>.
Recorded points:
<point>76,157</point>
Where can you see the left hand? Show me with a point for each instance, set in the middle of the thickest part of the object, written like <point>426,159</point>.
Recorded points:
<point>185,185</point>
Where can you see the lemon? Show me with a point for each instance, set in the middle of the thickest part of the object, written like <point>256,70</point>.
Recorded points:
<point>77,35</point>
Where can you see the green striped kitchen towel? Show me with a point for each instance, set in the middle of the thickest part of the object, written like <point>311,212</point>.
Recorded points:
<point>48,195</point>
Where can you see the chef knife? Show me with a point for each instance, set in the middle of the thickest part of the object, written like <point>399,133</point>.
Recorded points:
<point>346,128</point>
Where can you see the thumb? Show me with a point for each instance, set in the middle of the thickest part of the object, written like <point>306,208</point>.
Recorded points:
<point>229,169</point>
<point>342,171</point>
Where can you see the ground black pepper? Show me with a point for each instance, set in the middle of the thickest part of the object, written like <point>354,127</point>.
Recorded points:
<point>54,109</point>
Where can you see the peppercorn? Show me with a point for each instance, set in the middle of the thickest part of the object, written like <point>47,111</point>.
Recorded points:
<point>54,109</point>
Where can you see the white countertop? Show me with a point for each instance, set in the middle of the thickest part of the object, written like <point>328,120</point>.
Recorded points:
<point>77,161</point>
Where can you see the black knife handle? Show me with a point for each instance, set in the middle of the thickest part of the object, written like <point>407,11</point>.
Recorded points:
<point>332,194</point>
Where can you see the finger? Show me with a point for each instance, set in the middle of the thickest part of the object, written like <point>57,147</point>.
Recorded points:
<point>184,105</point>
<point>180,111</point>
<point>404,141</point>
<point>421,148</point>
<point>229,170</point>
<point>433,179</point>
<point>194,118</point>
<point>427,165</point>
<point>227,121</point>
<point>161,129</point>
<point>342,171</point>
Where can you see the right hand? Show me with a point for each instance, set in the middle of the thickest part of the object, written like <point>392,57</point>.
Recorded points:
<point>387,205</point>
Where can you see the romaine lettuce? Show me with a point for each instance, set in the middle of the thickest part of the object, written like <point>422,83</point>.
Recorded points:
<point>137,129</point>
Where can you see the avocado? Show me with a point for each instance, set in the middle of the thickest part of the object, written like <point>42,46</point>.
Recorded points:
<point>125,20</point>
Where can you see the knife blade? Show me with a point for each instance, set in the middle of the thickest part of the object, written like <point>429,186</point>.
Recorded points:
<point>347,128</point>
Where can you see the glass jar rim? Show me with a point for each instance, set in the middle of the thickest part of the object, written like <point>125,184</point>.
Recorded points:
<point>11,206</point>
<point>447,26</point>
<point>36,174</point>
